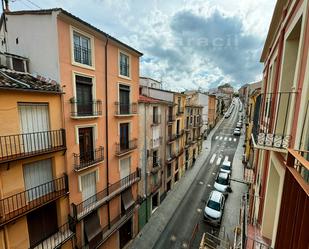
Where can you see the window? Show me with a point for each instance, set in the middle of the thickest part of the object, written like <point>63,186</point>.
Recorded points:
<point>82,49</point>
<point>125,166</point>
<point>124,99</point>
<point>179,104</point>
<point>85,137</point>
<point>169,170</point>
<point>155,158</point>
<point>84,96</point>
<point>18,65</point>
<point>88,186</point>
<point>124,136</point>
<point>124,66</point>
<point>178,127</point>
<point>155,115</point>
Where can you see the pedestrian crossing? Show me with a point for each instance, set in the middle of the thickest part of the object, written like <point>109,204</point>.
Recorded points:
<point>224,138</point>
<point>220,158</point>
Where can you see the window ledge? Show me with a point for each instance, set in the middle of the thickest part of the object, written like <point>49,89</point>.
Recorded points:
<point>74,63</point>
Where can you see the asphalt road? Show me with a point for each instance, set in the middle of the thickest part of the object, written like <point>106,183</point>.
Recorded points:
<point>179,233</point>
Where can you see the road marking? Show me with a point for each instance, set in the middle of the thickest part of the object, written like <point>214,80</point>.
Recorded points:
<point>218,161</point>
<point>225,138</point>
<point>184,245</point>
<point>234,139</point>
<point>173,238</point>
<point>226,159</point>
<point>216,137</point>
<point>208,185</point>
<point>230,139</point>
<point>221,138</point>
<point>213,158</point>
<point>201,182</point>
<point>199,210</point>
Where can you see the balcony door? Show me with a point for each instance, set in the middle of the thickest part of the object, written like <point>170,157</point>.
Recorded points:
<point>88,186</point>
<point>85,136</point>
<point>125,166</point>
<point>124,136</point>
<point>37,177</point>
<point>84,95</point>
<point>124,99</point>
<point>34,124</point>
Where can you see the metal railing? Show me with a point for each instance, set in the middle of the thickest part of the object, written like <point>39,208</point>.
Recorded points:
<point>171,138</point>
<point>17,205</point>
<point>156,186</point>
<point>87,206</point>
<point>179,153</point>
<point>88,158</point>
<point>82,55</point>
<point>114,225</point>
<point>273,123</point>
<point>126,146</point>
<point>63,234</point>
<point>80,109</point>
<point>171,157</point>
<point>125,108</point>
<point>14,147</point>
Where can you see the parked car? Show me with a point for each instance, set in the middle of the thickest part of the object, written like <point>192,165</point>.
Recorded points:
<point>226,167</point>
<point>222,183</point>
<point>236,132</point>
<point>213,211</point>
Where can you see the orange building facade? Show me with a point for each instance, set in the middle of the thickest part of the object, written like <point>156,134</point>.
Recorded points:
<point>101,156</point>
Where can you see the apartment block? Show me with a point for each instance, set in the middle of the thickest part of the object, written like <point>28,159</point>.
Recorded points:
<point>152,138</point>
<point>34,201</point>
<point>100,80</point>
<point>279,202</point>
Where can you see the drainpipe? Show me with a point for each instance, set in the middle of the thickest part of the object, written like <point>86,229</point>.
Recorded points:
<point>106,128</point>
<point>145,160</point>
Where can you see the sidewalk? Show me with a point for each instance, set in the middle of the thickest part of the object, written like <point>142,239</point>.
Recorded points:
<point>232,205</point>
<point>151,232</point>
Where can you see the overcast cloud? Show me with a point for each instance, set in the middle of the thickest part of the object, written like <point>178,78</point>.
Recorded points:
<point>186,44</point>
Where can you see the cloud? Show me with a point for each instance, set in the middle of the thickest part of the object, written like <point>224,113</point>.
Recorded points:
<point>186,44</point>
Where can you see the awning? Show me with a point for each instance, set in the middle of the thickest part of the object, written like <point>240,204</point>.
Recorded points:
<point>93,229</point>
<point>127,199</point>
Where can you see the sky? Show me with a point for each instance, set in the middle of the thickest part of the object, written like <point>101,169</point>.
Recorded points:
<point>187,44</point>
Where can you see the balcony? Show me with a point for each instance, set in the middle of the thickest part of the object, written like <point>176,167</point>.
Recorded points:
<point>19,146</point>
<point>126,147</point>
<point>125,109</point>
<point>156,120</point>
<point>156,165</point>
<point>170,119</point>
<point>172,156</point>
<point>155,186</point>
<point>15,206</point>
<point>114,225</point>
<point>271,131</point>
<point>171,138</point>
<point>84,110</point>
<point>180,110</point>
<point>64,233</point>
<point>87,159</point>
<point>179,153</point>
<point>94,202</point>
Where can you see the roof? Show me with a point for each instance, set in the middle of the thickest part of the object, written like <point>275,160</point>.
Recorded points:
<point>147,99</point>
<point>215,195</point>
<point>223,175</point>
<point>274,24</point>
<point>13,80</point>
<point>50,11</point>
<point>148,78</point>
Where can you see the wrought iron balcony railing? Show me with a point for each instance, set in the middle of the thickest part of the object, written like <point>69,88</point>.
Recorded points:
<point>80,109</point>
<point>126,146</point>
<point>114,225</point>
<point>171,138</point>
<point>17,205</point>
<point>87,159</point>
<point>63,234</point>
<point>15,147</point>
<point>156,119</point>
<point>171,118</point>
<point>155,186</point>
<point>171,157</point>
<point>179,153</point>
<point>125,108</point>
<point>272,131</point>
<point>85,207</point>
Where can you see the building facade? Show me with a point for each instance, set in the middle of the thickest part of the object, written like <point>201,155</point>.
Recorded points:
<point>279,203</point>
<point>102,129</point>
<point>34,181</point>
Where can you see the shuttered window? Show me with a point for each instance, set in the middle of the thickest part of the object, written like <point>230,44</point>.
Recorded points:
<point>125,165</point>
<point>38,173</point>
<point>88,186</point>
